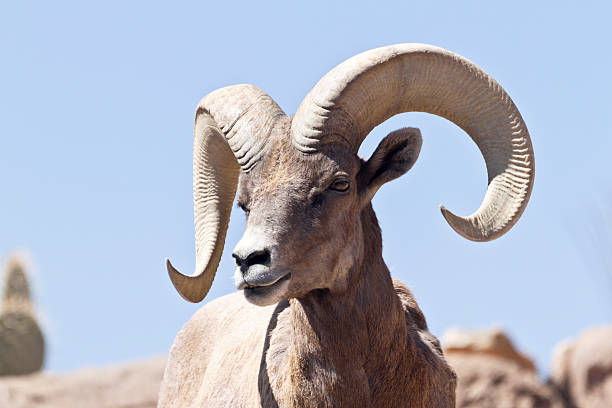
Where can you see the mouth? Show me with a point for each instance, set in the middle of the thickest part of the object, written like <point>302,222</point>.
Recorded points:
<point>257,276</point>
<point>263,285</point>
<point>263,294</point>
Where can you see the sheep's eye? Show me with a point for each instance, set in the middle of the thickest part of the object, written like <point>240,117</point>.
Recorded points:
<point>340,185</point>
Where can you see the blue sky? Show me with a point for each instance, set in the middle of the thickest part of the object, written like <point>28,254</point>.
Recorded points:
<point>96,116</point>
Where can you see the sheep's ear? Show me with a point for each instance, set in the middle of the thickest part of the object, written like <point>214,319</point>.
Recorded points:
<point>394,156</point>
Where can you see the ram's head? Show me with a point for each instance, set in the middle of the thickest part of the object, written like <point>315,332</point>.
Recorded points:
<point>303,187</point>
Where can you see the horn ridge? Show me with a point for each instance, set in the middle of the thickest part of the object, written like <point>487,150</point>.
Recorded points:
<point>366,90</point>
<point>231,130</point>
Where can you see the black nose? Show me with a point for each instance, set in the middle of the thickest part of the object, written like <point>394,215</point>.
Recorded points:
<point>259,257</point>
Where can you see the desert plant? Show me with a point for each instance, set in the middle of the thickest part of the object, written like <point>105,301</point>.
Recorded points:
<point>22,345</point>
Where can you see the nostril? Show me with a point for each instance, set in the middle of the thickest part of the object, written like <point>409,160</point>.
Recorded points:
<point>237,258</point>
<point>261,257</point>
<point>258,258</point>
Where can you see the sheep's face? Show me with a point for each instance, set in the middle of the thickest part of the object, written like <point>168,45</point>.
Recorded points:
<point>303,229</point>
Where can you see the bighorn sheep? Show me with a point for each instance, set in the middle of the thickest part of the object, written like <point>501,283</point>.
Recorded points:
<point>321,322</point>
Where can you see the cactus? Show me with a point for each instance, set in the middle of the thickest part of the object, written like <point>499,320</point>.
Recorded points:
<point>22,346</point>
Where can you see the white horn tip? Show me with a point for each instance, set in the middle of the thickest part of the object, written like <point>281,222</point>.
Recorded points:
<point>468,228</point>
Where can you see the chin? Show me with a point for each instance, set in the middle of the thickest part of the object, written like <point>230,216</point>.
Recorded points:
<point>267,295</point>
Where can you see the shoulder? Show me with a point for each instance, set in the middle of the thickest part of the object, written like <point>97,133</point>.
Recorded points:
<point>424,345</point>
<point>218,320</point>
<point>420,337</point>
<point>221,328</point>
<point>411,308</point>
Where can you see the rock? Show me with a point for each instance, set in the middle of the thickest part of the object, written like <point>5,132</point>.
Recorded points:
<point>582,369</point>
<point>484,381</point>
<point>492,373</point>
<point>133,385</point>
<point>492,342</point>
<point>559,369</point>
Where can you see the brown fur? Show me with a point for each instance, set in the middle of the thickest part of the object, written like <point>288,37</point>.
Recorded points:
<point>340,333</point>
<point>368,347</point>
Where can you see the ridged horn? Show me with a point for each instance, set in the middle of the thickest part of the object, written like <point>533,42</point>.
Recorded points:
<point>364,91</point>
<point>232,126</point>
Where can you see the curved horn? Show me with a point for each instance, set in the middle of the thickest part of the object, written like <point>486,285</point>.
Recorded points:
<point>364,91</point>
<point>232,126</point>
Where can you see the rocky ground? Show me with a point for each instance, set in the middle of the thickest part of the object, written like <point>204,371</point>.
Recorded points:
<point>132,385</point>
<point>582,369</point>
<point>491,373</point>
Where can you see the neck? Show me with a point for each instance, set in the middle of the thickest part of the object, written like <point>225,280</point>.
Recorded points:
<point>343,346</point>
